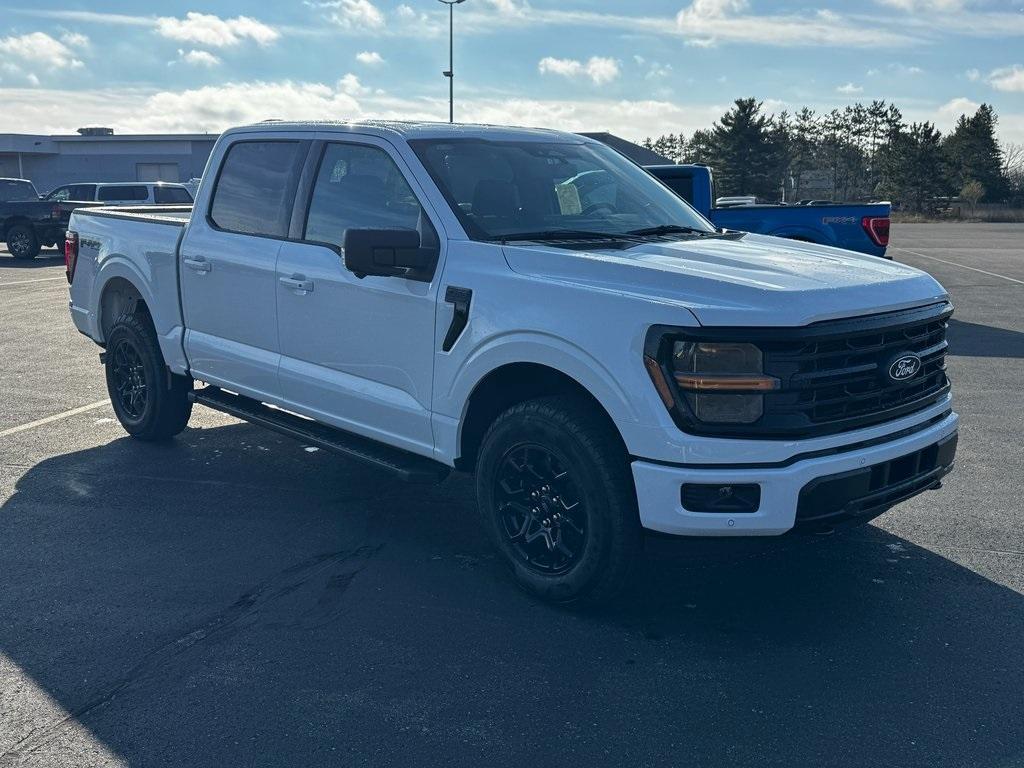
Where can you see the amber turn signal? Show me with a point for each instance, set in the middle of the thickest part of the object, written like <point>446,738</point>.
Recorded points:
<point>704,383</point>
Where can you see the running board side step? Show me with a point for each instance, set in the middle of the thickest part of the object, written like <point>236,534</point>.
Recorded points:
<point>405,465</point>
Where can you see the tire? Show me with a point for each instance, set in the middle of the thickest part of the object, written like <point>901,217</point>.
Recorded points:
<point>151,404</point>
<point>22,242</point>
<point>554,477</point>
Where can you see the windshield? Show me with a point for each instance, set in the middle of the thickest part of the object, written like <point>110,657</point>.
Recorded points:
<point>503,190</point>
<point>13,189</point>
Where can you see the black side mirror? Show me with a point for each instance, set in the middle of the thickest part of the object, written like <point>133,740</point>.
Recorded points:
<point>388,253</point>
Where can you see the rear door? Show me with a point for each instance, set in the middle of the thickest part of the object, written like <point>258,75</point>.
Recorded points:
<point>229,266</point>
<point>358,353</point>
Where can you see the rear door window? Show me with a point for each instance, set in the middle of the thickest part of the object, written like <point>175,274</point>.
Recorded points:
<point>171,196</point>
<point>83,192</point>
<point>682,186</point>
<point>256,188</point>
<point>129,193</point>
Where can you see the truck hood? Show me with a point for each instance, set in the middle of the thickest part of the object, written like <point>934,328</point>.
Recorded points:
<point>752,281</point>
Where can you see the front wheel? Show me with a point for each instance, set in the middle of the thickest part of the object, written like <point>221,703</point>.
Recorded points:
<point>22,242</point>
<point>150,403</point>
<point>556,494</point>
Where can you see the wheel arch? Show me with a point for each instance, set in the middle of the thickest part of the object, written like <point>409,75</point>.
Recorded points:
<point>12,222</point>
<point>118,295</point>
<point>508,385</point>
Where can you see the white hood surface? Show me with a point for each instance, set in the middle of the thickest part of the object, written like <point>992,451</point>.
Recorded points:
<point>752,281</point>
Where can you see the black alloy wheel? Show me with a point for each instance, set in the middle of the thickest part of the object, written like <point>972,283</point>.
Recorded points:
<point>542,512</point>
<point>129,376</point>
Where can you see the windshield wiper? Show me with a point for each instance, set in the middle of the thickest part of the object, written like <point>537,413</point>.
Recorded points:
<point>668,229</point>
<point>561,234</point>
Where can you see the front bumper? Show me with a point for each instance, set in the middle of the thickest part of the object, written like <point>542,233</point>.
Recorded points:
<point>836,488</point>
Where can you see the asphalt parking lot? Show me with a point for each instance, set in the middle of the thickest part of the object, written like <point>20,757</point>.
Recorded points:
<point>235,599</point>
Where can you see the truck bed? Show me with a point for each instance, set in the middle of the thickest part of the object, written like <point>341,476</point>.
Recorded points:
<point>835,224</point>
<point>136,246</point>
<point>177,215</point>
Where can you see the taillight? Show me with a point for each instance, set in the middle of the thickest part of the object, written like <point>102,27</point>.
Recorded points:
<point>70,254</point>
<point>877,228</point>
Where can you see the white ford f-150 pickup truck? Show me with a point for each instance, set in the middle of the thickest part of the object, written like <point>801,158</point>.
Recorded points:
<point>531,306</point>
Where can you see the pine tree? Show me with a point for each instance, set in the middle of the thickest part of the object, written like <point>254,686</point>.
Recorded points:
<point>912,167</point>
<point>740,150</point>
<point>700,147</point>
<point>972,153</point>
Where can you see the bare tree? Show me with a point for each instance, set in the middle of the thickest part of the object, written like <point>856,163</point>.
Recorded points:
<point>971,193</point>
<point>1013,165</point>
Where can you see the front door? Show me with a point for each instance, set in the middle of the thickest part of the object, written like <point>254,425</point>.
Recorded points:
<point>229,268</point>
<point>357,353</point>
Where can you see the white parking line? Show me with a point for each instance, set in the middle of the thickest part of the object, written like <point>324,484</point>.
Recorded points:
<point>39,280</point>
<point>55,417</point>
<point>962,266</point>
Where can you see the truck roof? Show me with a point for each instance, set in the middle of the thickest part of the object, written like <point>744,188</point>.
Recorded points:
<point>411,129</point>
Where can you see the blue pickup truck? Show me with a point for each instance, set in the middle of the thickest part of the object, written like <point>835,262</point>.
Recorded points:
<point>863,228</point>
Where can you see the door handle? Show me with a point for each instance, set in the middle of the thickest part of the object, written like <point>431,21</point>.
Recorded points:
<point>200,265</point>
<point>298,283</point>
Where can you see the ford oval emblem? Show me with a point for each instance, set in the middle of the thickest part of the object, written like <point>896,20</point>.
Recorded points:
<point>904,367</point>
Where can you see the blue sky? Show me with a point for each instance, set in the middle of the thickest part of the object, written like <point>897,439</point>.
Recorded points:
<point>636,68</point>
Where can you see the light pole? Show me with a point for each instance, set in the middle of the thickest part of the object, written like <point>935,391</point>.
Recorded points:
<point>450,73</point>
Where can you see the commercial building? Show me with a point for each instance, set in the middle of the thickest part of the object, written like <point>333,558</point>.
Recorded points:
<point>100,155</point>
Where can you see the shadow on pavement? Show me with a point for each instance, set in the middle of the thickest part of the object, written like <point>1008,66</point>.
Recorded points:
<point>977,340</point>
<point>233,599</point>
<point>46,258</point>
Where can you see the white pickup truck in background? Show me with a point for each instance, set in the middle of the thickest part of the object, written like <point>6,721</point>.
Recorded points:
<point>530,306</point>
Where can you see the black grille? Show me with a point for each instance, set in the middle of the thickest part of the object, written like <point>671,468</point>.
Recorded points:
<point>834,375</point>
<point>834,382</point>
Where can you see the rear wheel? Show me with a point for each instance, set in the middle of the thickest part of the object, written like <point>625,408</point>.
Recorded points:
<point>556,493</point>
<point>22,242</point>
<point>150,403</point>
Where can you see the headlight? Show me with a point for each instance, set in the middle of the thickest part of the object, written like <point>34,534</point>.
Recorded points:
<point>722,382</point>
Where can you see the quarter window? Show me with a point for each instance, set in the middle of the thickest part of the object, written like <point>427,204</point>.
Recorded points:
<point>359,186</point>
<point>255,188</point>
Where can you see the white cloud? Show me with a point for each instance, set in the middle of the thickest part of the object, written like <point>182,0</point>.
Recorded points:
<point>923,5</point>
<point>198,58</point>
<point>953,108</point>
<point>405,12</point>
<point>350,85</point>
<point>214,108</point>
<point>1010,79</point>
<point>370,58</point>
<point>359,14</point>
<point>897,69</point>
<point>74,40</point>
<point>599,69</point>
<point>973,75</point>
<point>208,29</point>
<point>706,22</point>
<point>38,49</point>
<point>849,89</point>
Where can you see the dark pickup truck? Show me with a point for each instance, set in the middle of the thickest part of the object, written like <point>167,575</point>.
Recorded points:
<point>862,227</point>
<point>27,223</point>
